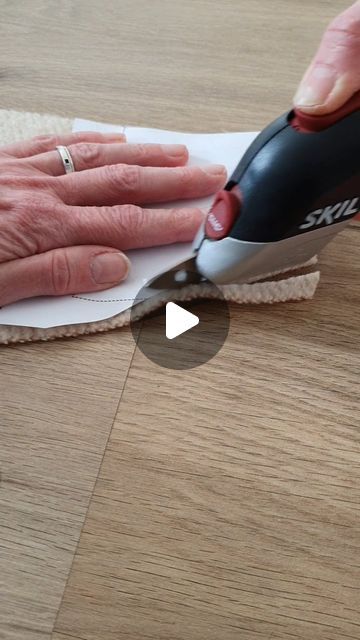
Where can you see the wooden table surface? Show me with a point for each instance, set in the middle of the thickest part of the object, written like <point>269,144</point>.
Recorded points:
<point>220,503</point>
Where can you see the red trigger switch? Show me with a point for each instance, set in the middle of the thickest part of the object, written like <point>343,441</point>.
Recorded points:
<point>307,123</point>
<point>223,213</point>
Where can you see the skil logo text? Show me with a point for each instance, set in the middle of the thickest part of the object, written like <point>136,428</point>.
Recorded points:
<point>331,213</point>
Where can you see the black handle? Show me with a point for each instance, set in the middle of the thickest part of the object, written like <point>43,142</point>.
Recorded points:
<point>292,182</point>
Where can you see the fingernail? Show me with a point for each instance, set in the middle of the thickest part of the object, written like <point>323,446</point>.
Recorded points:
<point>215,170</point>
<point>317,87</point>
<point>109,267</point>
<point>174,150</point>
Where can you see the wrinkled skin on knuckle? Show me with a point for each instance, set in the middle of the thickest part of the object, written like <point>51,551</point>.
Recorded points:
<point>26,205</point>
<point>348,21</point>
<point>85,155</point>
<point>45,142</point>
<point>17,237</point>
<point>127,226</point>
<point>31,227</point>
<point>33,223</point>
<point>15,240</point>
<point>28,223</point>
<point>123,178</point>
<point>59,273</point>
<point>340,41</point>
<point>85,227</point>
<point>117,226</point>
<point>343,37</point>
<point>130,225</point>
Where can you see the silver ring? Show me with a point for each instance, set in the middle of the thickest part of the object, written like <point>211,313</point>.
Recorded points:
<point>66,158</point>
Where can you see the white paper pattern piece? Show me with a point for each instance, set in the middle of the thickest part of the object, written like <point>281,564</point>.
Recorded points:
<point>49,311</point>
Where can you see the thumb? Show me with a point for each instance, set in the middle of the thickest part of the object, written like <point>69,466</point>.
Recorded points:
<point>334,74</point>
<point>62,271</point>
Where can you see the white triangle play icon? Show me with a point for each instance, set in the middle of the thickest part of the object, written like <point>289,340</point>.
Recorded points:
<point>178,320</point>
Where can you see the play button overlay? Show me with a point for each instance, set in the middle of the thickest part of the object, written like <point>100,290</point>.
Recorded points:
<point>180,334</point>
<point>178,320</point>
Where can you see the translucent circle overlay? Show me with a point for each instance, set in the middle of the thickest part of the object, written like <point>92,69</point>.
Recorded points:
<point>192,348</point>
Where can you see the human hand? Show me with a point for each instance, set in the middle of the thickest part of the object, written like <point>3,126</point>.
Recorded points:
<point>63,234</point>
<point>334,74</point>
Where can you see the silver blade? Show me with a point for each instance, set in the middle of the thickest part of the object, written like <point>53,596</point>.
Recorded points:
<point>179,276</point>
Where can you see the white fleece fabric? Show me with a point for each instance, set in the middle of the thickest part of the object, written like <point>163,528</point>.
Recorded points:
<point>18,125</point>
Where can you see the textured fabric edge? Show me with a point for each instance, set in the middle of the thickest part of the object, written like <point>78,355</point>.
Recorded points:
<point>295,288</point>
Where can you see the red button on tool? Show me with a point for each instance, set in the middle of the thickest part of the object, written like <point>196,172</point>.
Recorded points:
<point>307,123</point>
<point>223,213</point>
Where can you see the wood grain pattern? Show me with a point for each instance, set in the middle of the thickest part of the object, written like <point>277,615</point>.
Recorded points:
<point>57,405</point>
<point>194,64</point>
<point>227,504</point>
